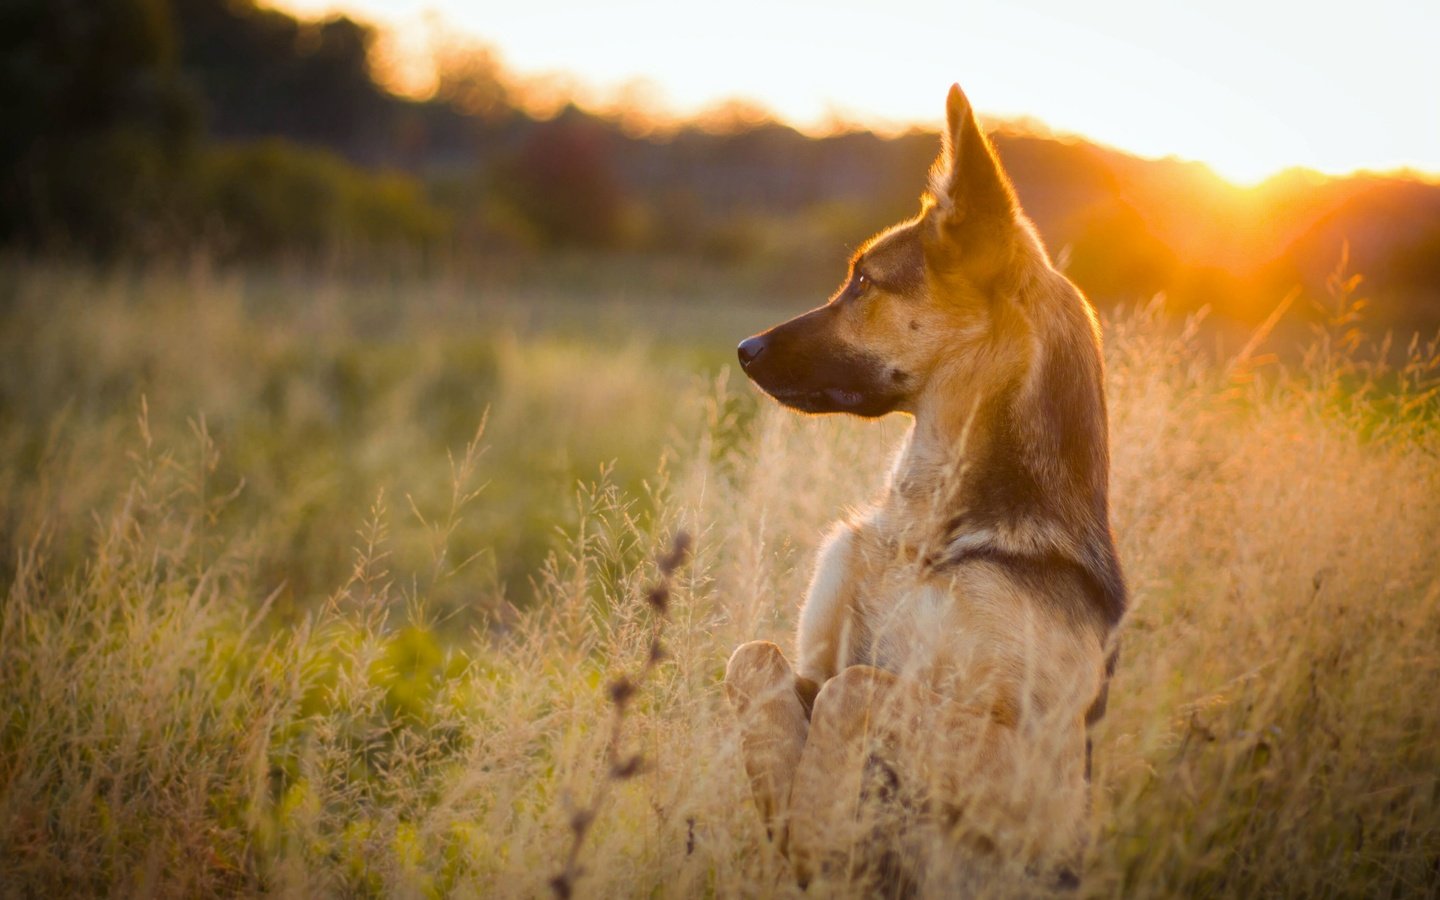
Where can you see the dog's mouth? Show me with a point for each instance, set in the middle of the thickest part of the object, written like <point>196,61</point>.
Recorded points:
<point>833,400</point>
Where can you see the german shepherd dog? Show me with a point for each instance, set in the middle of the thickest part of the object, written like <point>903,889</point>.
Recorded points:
<point>958,636</point>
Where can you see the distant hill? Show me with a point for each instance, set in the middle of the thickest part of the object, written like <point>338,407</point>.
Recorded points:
<point>1129,227</point>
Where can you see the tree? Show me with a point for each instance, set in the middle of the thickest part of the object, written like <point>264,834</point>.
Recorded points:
<point>98,120</point>
<point>266,74</point>
<point>564,182</point>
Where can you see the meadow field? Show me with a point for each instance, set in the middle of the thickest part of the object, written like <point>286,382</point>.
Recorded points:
<point>318,586</point>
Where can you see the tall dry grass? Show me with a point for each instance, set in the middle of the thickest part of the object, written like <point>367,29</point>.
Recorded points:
<point>177,719</point>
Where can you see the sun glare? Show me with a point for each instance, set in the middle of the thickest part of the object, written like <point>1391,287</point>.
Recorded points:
<point>1248,88</point>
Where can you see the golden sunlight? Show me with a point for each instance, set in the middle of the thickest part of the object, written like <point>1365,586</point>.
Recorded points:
<point>1251,88</point>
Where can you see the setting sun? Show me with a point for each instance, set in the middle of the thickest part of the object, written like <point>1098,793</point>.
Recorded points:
<point>1249,88</point>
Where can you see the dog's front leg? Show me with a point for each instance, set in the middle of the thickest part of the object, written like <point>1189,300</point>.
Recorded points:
<point>826,618</point>
<point>861,719</point>
<point>773,707</point>
<point>773,703</point>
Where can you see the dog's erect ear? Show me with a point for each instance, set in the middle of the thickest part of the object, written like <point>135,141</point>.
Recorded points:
<point>968,188</point>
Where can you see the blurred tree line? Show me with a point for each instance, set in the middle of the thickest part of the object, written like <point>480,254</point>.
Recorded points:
<point>161,126</point>
<point>144,127</point>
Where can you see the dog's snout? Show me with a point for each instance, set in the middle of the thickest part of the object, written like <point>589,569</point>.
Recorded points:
<point>750,349</point>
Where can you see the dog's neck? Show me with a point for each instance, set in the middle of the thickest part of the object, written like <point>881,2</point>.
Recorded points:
<point>1016,457</point>
<point>937,473</point>
<point>1015,468</point>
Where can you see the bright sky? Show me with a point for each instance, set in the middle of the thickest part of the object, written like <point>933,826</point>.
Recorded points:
<point>1249,86</point>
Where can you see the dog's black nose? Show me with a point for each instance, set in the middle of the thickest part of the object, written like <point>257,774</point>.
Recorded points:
<point>749,349</point>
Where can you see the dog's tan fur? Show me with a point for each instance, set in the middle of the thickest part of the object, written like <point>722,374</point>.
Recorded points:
<point>957,636</point>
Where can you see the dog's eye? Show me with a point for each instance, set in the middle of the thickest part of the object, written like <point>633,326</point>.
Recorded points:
<point>862,282</point>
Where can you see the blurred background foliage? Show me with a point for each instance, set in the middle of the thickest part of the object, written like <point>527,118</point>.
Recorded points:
<point>170,128</point>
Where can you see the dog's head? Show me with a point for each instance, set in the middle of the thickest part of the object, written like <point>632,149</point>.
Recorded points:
<point>918,296</point>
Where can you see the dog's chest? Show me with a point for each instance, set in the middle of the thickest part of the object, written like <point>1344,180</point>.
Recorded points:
<point>971,633</point>
<point>936,628</point>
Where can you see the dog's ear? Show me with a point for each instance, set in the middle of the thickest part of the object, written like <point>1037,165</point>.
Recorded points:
<point>966,181</point>
<point>971,206</point>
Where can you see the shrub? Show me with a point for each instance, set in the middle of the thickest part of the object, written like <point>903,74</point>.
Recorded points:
<point>271,198</point>
<point>564,183</point>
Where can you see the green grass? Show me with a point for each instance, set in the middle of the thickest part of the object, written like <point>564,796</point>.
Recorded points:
<point>276,620</point>
<point>321,395</point>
